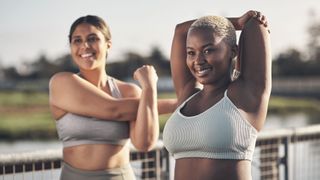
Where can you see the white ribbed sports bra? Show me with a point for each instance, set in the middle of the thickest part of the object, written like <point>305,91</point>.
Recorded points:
<point>220,132</point>
<point>76,130</point>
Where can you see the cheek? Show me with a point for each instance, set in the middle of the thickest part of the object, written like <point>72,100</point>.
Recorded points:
<point>73,50</point>
<point>102,49</point>
<point>189,63</point>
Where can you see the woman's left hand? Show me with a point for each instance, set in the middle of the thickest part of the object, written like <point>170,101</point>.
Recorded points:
<point>255,14</point>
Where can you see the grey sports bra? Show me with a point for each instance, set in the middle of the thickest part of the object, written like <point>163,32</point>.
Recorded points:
<point>76,130</point>
<point>220,132</point>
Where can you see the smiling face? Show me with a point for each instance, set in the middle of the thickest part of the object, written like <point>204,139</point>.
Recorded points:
<point>208,56</point>
<point>89,47</point>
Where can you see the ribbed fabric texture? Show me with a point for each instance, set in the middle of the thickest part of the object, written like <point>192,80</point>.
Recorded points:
<point>220,132</point>
<point>77,130</point>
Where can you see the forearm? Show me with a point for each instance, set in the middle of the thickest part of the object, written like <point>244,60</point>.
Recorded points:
<point>146,127</point>
<point>166,106</point>
<point>235,23</point>
<point>239,22</point>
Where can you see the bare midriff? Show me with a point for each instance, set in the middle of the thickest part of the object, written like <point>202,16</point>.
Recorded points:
<point>96,156</point>
<point>212,169</point>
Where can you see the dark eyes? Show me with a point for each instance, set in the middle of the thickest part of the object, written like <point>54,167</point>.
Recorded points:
<point>190,53</point>
<point>205,52</point>
<point>76,41</point>
<point>90,40</point>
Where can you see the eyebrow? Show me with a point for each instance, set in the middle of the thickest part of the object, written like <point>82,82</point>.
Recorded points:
<point>76,36</point>
<point>204,46</point>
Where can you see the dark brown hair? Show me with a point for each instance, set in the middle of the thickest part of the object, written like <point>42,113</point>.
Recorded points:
<point>95,21</point>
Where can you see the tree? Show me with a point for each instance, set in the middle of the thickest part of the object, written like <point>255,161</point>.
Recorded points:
<point>42,68</point>
<point>314,37</point>
<point>125,68</point>
<point>289,63</point>
<point>292,62</point>
<point>161,63</point>
<point>65,63</point>
<point>11,73</point>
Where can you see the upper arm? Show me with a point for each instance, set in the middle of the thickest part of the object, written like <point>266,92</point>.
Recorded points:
<point>252,89</point>
<point>255,58</point>
<point>184,82</point>
<point>73,94</point>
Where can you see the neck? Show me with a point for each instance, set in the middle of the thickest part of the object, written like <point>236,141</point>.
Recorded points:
<point>96,77</point>
<point>209,89</point>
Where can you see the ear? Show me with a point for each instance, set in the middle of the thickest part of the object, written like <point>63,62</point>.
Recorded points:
<point>234,51</point>
<point>109,44</point>
<point>235,63</point>
<point>236,57</point>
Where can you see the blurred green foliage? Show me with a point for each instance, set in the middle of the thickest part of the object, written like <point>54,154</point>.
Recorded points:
<point>26,115</point>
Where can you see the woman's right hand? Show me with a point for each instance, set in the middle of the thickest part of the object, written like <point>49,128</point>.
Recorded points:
<point>147,76</point>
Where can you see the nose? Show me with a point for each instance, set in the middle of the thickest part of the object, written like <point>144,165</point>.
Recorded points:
<point>86,44</point>
<point>200,59</point>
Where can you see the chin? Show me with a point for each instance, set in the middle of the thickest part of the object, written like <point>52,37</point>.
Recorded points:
<point>202,81</point>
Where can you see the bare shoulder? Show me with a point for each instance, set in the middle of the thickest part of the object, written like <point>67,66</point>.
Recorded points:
<point>55,86</point>
<point>61,77</point>
<point>128,89</point>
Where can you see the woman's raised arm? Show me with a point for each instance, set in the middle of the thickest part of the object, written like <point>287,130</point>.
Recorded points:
<point>144,132</point>
<point>255,57</point>
<point>254,81</point>
<point>184,83</point>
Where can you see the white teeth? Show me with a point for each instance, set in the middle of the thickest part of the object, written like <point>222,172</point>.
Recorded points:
<point>204,71</point>
<point>86,55</point>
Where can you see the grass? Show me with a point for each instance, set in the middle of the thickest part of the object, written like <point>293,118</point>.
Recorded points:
<point>23,99</point>
<point>30,126</point>
<point>287,105</point>
<point>26,115</point>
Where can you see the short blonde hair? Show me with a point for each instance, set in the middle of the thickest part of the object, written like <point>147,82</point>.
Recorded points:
<point>220,26</point>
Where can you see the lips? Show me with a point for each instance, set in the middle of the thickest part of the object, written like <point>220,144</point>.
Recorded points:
<point>86,55</point>
<point>203,71</point>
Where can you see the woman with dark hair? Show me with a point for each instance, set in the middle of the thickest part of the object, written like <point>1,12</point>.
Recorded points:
<point>96,114</point>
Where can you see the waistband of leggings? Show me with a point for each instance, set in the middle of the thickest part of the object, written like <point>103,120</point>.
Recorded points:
<point>118,170</point>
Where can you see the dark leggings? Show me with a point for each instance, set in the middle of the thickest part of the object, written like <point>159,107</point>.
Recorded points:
<point>122,173</point>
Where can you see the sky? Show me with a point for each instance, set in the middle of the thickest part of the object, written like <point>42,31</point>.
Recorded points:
<point>30,28</point>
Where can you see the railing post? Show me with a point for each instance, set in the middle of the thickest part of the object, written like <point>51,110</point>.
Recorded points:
<point>285,159</point>
<point>166,155</point>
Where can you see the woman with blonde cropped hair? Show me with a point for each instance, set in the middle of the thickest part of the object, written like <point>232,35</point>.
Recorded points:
<point>213,131</point>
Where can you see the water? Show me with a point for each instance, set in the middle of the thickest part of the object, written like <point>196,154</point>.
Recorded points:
<point>273,121</point>
<point>292,120</point>
<point>28,146</point>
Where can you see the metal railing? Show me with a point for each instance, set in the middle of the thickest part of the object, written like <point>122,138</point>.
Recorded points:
<point>45,165</point>
<point>287,154</point>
